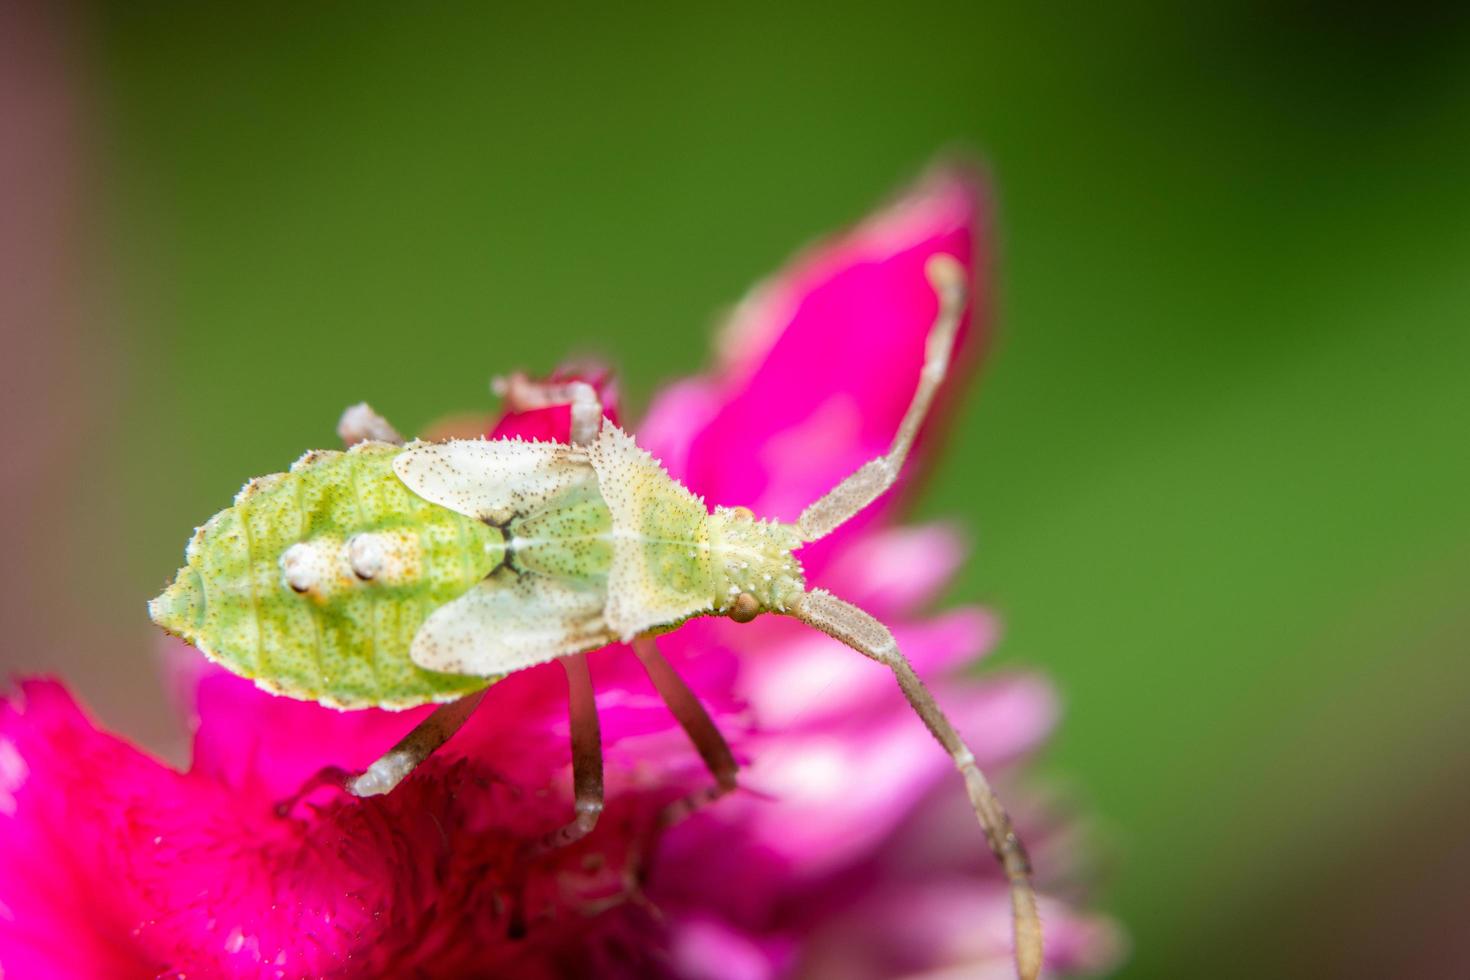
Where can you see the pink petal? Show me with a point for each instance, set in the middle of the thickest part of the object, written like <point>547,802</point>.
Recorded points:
<point>553,423</point>
<point>951,926</point>
<point>270,745</point>
<point>892,570</point>
<point>940,212</point>
<point>705,948</point>
<point>115,866</point>
<point>821,363</point>
<point>829,798</point>
<point>56,776</point>
<point>1001,717</point>
<point>806,678</point>
<point>679,413</point>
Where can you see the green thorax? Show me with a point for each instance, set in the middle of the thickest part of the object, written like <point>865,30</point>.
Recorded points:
<point>315,581</point>
<point>672,558</point>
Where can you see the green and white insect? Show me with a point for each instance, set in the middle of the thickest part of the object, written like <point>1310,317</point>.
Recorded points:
<point>393,576</point>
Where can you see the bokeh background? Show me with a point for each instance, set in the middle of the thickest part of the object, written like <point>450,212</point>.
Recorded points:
<point>1216,468</point>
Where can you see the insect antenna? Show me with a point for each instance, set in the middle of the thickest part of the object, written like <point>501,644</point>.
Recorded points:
<point>859,630</point>
<point>873,478</point>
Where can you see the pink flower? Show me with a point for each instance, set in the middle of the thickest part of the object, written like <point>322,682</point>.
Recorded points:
<point>850,850</point>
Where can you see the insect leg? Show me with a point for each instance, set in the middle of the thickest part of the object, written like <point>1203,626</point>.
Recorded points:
<point>697,724</point>
<point>359,423</point>
<point>395,764</point>
<point>871,638</point>
<point>586,755</point>
<point>586,412</point>
<point>874,477</point>
<point>522,394</point>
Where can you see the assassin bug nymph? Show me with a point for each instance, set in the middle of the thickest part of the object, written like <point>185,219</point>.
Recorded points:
<point>394,576</point>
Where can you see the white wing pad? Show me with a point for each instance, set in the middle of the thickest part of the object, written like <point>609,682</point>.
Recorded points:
<point>511,621</point>
<point>492,480</point>
<point>517,617</point>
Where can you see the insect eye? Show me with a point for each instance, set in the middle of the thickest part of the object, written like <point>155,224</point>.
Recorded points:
<point>745,608</point>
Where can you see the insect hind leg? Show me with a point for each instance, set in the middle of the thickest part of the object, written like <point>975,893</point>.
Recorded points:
<point>857,629</point>
<point>587,788</point>
<point>697,724</point>
<point>586,757</point>
<point>873,478</point>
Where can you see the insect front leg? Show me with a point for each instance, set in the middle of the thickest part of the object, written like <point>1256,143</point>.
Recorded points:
<point>521,394</point>
<point>871,638</point>
<point>394,765</point>
<point>586,784</point>
<point>874,477</point>
<point>697,724</point>
<point>586,756</point>
<point>359,423</point>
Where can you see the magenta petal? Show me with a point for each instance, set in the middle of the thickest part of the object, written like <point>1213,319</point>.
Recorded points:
<point>940,212</point>
<point>677,416</point>
<point>825,798</point>
<point>270,745</point>
<point>706,948</point>
<point>951,927</point>
<point>831,798</point>
<point>892,570</point>
<point>113,865</point>
<point>822,361</point>
<point>65,794</point>
<point>816,679</point>
<point>552,423</point>
<point>1001,717</point>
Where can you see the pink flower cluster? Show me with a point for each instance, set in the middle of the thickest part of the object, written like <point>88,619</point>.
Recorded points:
<point>849,851</point>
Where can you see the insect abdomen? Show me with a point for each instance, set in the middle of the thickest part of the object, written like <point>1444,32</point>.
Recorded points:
<point>315,581</point>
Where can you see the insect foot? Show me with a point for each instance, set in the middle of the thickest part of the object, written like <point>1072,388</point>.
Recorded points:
<point>394,766</point>
<point>359,423</point>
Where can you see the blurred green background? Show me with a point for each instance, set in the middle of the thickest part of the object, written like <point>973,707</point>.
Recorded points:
<point>1216,468</point>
